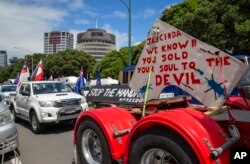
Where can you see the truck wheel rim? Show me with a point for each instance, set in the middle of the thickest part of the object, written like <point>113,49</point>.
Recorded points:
<point>91,147</point>
<point>34,122</point>
<point>158,156</point>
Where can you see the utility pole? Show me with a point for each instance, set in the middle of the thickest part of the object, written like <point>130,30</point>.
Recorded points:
<point>128,6</point>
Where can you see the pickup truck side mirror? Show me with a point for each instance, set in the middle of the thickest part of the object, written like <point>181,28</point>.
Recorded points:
<point>26,93</point>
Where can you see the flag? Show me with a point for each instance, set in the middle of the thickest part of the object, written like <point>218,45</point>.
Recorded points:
<point>98,79</point>
<point>25,73</point>
<point>51,78</point>
<point>80,83</point>
<point>16,79</point>
<point>37,74</point>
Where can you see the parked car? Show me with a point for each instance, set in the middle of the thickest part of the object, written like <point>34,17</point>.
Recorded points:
<point>6,91</point>
<point>8,131</point>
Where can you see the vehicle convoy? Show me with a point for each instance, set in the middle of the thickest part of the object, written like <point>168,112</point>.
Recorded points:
<point>132,130</point>
<point>41,102</point>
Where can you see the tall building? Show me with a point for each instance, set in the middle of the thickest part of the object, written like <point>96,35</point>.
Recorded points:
<point>56,41</point>
<point>96,42</point>
<point>3,58</point>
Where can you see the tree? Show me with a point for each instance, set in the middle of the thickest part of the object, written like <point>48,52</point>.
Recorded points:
<point>110,65</point>
<point>115,61</point>
<point>66,63</point>
<point>224,24</point>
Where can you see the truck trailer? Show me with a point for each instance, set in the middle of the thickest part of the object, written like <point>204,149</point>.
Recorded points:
<point>149,130</point>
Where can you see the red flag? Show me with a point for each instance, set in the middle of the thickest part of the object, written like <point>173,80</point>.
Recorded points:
<point>24,73</point>
<point>37,74</point>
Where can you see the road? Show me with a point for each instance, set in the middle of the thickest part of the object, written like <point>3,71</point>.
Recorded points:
<point>54,146</point>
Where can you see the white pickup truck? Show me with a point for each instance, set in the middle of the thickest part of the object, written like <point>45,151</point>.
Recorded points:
<point>41,102</point>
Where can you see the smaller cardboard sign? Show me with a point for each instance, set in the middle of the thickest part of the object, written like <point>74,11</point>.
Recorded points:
<point>117,94</point>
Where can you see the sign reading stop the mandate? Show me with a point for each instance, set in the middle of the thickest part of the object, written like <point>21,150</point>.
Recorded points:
<point>176,58</point>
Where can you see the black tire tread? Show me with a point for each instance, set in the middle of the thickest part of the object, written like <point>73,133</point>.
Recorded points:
<point>162,139</point>
<point>40,126</point>
<point>89,123</point>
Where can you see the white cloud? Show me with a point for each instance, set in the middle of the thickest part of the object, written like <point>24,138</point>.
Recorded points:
<point>23,26</point>
<point>145,14</point>
<point>82,22</point>
<point>76,4</point>
<point>116,14</point>
<point>90,13</point>
<point>148,13</point>
<point>70,4</point>
<point>119,14</point>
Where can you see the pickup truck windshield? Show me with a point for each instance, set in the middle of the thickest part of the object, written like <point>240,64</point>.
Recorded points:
<point>44,88</point>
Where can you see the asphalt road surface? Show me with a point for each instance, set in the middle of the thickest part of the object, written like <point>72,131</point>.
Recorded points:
<point>54,146</point>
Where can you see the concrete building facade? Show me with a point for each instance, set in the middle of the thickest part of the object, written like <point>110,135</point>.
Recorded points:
<point>3,58</point>
<point>56,41</point>
<point>96,42</point>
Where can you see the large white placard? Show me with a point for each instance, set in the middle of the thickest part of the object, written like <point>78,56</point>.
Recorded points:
<point>176,58</point>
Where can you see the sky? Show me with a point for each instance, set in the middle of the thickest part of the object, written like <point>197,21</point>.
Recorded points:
<point>24,22</point>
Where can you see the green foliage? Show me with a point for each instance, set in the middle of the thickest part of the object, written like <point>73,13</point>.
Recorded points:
<point>110,65</point>
<point>224,24</point>
<point>66,63</point>
<point>115,61</point>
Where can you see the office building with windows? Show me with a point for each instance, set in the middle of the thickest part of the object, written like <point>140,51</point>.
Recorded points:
<point>56,41</point>
<point>96,42</point>
<point>3,58</point>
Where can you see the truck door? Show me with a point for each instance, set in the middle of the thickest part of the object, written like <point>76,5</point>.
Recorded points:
<point>27,97</point>
<point>20,99</point>
<point>23,99</point>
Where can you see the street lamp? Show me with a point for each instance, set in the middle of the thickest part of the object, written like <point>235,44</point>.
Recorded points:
<point>28,52</point>
<point>128,6</point>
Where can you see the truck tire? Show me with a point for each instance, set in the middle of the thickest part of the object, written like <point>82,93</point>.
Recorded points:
<point>36,126</point>
<point>92,146</point>
<point>12,110</point>
<point>155,148</point>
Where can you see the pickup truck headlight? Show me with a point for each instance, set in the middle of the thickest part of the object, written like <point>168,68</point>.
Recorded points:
<point>5,117</point>
<point>46,103</point>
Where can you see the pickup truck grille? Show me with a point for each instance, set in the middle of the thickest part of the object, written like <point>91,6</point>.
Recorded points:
<point>63,103</point>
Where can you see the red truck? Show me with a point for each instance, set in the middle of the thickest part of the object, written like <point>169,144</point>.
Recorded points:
<point>133,130</point>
